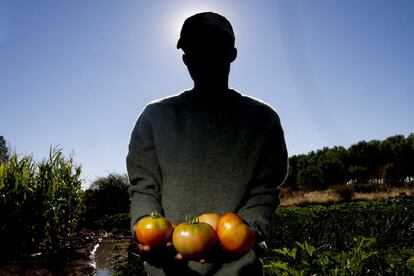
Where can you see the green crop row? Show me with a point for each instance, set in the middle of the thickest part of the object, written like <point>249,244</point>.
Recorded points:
<point>390,222</point>
<point>357,238</point>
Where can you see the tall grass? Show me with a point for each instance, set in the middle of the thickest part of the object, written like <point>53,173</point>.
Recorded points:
<point>343,193</point>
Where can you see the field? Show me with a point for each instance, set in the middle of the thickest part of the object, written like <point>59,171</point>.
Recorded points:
<point>357,229</point>
<point>355,238</point>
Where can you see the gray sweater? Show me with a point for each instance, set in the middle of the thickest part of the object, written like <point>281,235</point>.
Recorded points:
<point>194,153</point>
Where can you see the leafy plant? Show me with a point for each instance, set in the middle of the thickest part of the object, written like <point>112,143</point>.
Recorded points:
<point>361,259</point>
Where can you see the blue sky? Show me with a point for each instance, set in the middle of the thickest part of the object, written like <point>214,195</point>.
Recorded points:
<point>77,74</point>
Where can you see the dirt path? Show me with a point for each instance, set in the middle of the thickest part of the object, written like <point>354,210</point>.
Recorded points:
<point>76,256</point>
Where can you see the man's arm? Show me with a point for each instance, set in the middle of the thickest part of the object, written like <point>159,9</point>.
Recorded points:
<point>271,171</point>
<point>143,171</point>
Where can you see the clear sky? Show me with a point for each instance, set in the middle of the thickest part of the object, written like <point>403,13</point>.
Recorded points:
<point>77,74</point>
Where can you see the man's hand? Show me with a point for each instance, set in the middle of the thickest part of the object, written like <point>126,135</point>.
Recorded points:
<point>160,255</point>
<point>146,250</point>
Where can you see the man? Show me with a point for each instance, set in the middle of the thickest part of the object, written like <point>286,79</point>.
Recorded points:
<point>206,150</point>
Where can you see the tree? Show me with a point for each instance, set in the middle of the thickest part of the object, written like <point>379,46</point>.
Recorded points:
<point>365,160</point>
<point>393,175</point>
<point>292,173</point>
<point>409,162</point>
<point>107,197</point>
<point>333,164</point>
<point>310,175</point>
<point>4,151</point>
<point>399,157</point>
<point>392,149</point>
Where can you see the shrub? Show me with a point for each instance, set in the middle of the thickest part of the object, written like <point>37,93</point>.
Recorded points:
<point>344,191</point>
<point>113,222</point>
<point>107,203</point>
<point>40,202</point>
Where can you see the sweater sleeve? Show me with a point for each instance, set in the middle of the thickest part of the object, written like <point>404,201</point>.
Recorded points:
<point>143,171</point>
<point>270,173</point>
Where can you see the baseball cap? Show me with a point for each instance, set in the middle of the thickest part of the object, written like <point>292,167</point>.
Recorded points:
<point>194,26</point>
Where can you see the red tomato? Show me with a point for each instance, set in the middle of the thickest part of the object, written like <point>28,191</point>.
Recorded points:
<point>194,239</point>
<point>210,218</point>
<point>234,235</point>
<point>153,230</point>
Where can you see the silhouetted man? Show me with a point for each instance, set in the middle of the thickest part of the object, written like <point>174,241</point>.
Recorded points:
<point>207,150</point>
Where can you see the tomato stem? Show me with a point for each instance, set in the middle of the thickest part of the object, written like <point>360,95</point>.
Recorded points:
<point>191,220</point>
<point>155,214</point>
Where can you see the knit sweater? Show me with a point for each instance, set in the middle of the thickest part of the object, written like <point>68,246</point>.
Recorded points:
<point>196,153</point>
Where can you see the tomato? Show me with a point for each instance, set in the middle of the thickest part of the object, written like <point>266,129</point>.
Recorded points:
<point>194,239</point>
<point>210,218</point>
<point>153,230</point>
<point>234,235</point>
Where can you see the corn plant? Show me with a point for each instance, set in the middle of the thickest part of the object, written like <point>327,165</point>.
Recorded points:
<point>39,202</point>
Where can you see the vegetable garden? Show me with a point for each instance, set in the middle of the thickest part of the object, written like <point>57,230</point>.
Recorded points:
<point>357,238</point>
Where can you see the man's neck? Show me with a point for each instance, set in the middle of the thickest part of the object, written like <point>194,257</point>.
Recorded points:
<point>211,89</point>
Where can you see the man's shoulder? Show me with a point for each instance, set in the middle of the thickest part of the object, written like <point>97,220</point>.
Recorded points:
<point>169,100</point>
<point>252,101</point>
<point>160,104</point>
<point>258,105</point>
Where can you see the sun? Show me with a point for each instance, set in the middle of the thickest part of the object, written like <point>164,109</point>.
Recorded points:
<point>176,20</point>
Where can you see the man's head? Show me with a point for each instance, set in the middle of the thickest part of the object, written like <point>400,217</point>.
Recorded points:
<point>207,40</point>
<point>197,26</point>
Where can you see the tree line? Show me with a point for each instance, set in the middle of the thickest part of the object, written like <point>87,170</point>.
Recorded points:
<point>390,161</point>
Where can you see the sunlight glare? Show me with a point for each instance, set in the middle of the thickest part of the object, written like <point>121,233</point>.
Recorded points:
<point>175,22</point>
